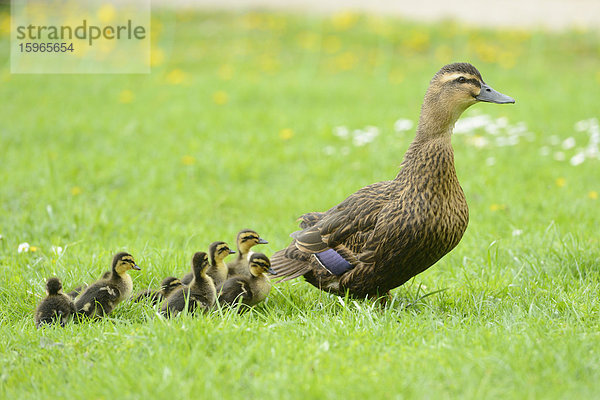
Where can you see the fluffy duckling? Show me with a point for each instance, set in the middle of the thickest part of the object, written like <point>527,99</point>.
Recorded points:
<point>102,296</point>
<point>386,233</point>
<point>249,290</point>
<point>78,289</point>
<point>201,292</point>
<point>246,239</point>
<point>218,270</point>
<point>167,286</point>
<point>56,307</point>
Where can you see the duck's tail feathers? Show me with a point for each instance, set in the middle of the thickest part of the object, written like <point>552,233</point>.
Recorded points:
<point>288,268</point>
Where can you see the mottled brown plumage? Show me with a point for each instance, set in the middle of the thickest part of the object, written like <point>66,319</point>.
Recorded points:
<point>390,231</point>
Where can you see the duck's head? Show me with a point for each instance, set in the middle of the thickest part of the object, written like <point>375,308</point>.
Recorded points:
<point>200,263</point>
<point>169,284</point>
<point>123,262</point>
<point>259,264</point>
<point>247,238</point>
<point>53,286</point>
<point>218,251</point>
<point>453,89</point>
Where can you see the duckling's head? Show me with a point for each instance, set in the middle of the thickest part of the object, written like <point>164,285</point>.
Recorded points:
<point>218,251</point>
<point>123,262</point>
<point>53,286</point>
<point>246,239</point>
<point>259,264</point>
<point>453,89</point>
<point>169,284</point>
<point>200,263</point>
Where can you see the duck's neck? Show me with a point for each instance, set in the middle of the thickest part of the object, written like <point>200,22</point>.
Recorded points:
<point>430,158</point>
<point>437,119</point>
<point>242,252</point>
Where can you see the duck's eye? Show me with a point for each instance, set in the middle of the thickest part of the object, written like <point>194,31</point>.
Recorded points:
<point>462,79</point>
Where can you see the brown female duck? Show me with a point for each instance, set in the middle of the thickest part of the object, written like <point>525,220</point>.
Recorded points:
<point>387,232</point>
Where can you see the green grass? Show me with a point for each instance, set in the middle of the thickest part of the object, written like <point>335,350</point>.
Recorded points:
<point>164,175</point>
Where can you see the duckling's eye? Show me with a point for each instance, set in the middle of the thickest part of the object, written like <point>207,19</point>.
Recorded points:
<point>462,79</point>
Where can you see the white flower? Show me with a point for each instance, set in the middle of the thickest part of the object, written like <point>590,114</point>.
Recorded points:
<point>517,232</point>
<point>23,247</point>
<point>341,132</point>
<point>329,150</point>
<point>56,250</point>
<point>577,158</point>
<point>583,125</point>
<point>568,143</point>
<point>554,140</point>
<point>490,161</point>
<point>559,156</point>
<point>403,125</point>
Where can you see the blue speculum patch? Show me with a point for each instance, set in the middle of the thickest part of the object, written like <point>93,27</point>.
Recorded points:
<point>333,262</point>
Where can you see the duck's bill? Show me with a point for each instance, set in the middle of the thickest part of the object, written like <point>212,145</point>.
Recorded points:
<point>272,271</point>
<point>231,251</point>
<point>492,96</point>
<point>136,267</point>
<point>262,241</point>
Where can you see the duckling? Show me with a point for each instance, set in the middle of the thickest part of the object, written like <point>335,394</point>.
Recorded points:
<point>388,232</point>
<point>249,290</point>
<point>217,252</point>
<point>201,292</point>
<point>246,239</point>
<point>78,289</point>
<point>102,296</point>
<point>56,307</point>
<point>167,286</point>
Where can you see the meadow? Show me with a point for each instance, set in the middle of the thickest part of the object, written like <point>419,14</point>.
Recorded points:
<point>250,120</point>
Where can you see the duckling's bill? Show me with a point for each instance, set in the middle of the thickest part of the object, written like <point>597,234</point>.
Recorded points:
<point>492,96</point>
<point>136,267</point>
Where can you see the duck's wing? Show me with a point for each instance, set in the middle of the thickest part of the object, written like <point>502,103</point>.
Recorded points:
<point>344,228</point>
<point>234,290</point>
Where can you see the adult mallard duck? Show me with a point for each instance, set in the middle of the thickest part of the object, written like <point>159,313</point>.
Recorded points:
<point>387,232</point>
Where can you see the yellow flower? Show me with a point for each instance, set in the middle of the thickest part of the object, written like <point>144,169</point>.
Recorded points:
<point>76,191</point>
<point>4,24</point>
<point>33,248</point>
<point>176,77</point>
<point>157,56</point>
<point>344,20</point>
<point>443,54</point>
<point>308,40</point>
<point>396,77</point>
<point>417,41</point>
<point>286,134</point>
<point>188,160</point>
<point>593,195</point>
<point>225,72</point>
<point>497,207</point>
<point>345,61</point>
<point>106,13</point>
<point>332,44</point>
<point>560,182</point>
<point>126,96</point>
<point>220,97</point>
